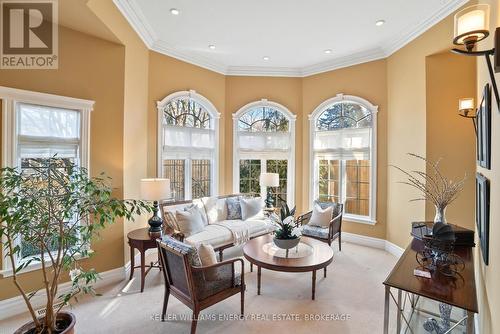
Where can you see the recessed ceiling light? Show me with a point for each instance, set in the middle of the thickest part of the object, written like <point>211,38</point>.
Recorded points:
<point>266,58</point>
<point>328,51</point>
<point>379,23</point>
<point>211,47</point>
<point>174,11</point>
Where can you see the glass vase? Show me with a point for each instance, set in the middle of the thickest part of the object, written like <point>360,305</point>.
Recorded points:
<point>440,214</point>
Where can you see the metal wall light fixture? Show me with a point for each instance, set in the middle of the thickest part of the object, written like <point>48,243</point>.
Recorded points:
<point>472,26</point>
<point>467,109</point>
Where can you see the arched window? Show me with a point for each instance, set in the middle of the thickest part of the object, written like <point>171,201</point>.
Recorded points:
<point>188,144</point>
<point>343,155</point>
<point>264,141</point>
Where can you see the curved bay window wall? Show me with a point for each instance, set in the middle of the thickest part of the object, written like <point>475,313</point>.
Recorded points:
<point>264,142</point>
<point>343,140</point>
<point>188,144</point>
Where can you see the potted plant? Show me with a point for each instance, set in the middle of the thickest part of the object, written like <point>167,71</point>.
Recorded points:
<point>50,211</point>
<point>433,186</point>
<point>286,235</point>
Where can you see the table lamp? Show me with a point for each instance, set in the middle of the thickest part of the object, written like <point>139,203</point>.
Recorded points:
<point>269,180</point>
<point>155,190</point>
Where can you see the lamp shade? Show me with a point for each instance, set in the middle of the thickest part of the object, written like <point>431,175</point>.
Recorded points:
<point>155,189</point>
<point>269,179</point>
<point>466,104</point>
<point>472,24</point>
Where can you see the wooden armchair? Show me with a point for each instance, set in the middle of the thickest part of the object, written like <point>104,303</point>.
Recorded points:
<point>329,234</point>
<point>185,278</point>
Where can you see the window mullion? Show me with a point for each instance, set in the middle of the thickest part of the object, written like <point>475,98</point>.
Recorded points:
<point>187,179</point>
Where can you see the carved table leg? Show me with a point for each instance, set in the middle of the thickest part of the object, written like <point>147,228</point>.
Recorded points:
<point>132,262</point>
<point>324,272</point>
<point>313,284</point>
<point>143,269</point>
<point>258,279</point>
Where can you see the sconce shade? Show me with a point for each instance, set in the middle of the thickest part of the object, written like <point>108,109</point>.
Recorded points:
<point>155,189</point>
<point>465,106</point>
<point>269,179</point>
<point>472,25</point>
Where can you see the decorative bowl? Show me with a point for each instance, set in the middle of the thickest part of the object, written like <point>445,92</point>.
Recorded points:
<point>286,243</point>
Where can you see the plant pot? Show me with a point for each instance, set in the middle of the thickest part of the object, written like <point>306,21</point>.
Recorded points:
<point>286,243</point>
<point>67,319</point>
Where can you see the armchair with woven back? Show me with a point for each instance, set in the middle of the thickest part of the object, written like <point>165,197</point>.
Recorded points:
<point>326,232</point>
<point>196,286</point>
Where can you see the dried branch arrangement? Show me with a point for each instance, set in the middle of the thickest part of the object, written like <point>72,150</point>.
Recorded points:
<point>434,186</point>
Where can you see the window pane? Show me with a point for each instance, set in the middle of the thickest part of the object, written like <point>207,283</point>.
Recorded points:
<point>329,185</point>
<point>358,187</point>
<point>173,169</point>
<point>185,112</point>
<point>249,177</point>
<point>279,193</point>
<point>200,172</point>
<point>263,119</point>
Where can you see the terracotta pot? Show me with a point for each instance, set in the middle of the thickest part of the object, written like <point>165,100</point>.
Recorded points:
<point>286,243</point>
<point>66,317</point>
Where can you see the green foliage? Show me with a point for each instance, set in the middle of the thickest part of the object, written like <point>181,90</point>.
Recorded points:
<point>57,209</point>
<point>286,228</point>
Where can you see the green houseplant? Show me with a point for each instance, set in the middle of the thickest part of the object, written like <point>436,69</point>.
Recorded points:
<point>286,235</point>
<point>54,209</point>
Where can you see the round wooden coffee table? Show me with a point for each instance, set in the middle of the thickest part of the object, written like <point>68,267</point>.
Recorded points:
<point>315,255</point>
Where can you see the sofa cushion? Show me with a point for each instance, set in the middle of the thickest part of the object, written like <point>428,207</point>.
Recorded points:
<point>214,235</point>
<point>321,217</point>
<point>215,209</point>
<point>233,208</point>
<point>315,231</point>
<point>199,204</point>
<point>252,207</point>
<point>259,226</point>
<point>190,221</point>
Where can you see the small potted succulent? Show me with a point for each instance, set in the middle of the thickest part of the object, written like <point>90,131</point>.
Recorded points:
<point>50,211</point>
<point>286,235</point>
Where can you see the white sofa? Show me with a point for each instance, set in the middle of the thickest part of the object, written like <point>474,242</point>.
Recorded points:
<point>218,231</point>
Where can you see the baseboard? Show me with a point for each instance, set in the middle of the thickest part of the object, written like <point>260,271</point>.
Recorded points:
<point>373,242</point>
<point>16,305</point>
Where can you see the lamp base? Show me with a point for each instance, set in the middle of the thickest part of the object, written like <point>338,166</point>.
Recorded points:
<point>269,199</point>
<point>155,222</point>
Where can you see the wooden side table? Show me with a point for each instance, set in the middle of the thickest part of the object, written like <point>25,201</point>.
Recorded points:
<point>142,240</point>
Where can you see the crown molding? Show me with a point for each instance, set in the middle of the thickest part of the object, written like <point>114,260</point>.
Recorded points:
<point>406,37</point>
<point>136,18</point>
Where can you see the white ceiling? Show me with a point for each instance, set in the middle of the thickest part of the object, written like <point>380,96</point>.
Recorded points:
<point>293,33</point>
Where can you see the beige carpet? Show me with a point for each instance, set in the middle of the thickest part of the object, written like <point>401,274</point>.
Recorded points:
<point>349,300</point>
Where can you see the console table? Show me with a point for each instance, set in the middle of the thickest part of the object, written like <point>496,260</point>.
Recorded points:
<point>458,292</point>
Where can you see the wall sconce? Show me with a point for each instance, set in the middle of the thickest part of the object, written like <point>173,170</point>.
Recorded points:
<point>471,26</point>
<point>467,109</point>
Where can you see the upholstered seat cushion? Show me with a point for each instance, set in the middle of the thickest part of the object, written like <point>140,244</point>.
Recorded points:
<point>214,235</point>
<point>259,226</point>
<point>315,231</point>
<point>205,288</point>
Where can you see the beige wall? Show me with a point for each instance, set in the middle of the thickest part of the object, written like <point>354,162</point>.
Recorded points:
<point>89,68</point>
<point>368,81</point>
<point>449,137</point>
<point>135,116</point>
<point>488,277</point>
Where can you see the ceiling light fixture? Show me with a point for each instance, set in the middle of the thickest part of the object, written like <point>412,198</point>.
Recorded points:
<point>266,58</point>
<point>379,23</point>
<point>328,51</point>
<point>174,11</point>
<point>211,47</point>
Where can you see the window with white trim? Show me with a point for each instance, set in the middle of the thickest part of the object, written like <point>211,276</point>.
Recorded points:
<point>343,155</point>
<point>38,126</point>
<point>264,142</point>
<point>188,144</point>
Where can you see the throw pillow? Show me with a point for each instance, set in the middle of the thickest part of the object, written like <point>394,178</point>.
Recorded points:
<point>208,258</point>
<point>210,204</point>
<point>251,207</point>
<point>233,208</point>
<point>321,217</point>
<point>197,203</point>
<point>189,221</point>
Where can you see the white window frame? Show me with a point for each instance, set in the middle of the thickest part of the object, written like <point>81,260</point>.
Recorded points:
<point>264,156</point>
<point>371,219</point>
<point>215,115</point>
<point>11,98</point>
